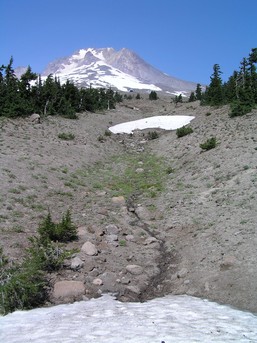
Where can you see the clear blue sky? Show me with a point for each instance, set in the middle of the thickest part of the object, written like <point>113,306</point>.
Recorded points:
<point>183,38</point>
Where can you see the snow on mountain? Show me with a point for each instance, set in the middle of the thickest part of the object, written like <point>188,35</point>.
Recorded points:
<point>123,70</point>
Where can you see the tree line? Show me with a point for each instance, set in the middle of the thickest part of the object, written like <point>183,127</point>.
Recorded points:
<point>240,91</point>
<point>29,94</point>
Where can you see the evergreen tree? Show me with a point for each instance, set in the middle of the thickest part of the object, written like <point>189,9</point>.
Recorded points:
<point>12,104</point>
<point>153,95</point>
<point>192,97</point>
<point>198,92</point>
<point>177,99</point>
<point>214,93</point>
<point>22,97</point>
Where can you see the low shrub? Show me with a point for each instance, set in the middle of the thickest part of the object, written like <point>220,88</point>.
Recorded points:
<point>101,139</point>
<point>183,131</point>
<point>209,144</point>
<point>66,136</point>
<point>64,231</point>
<point>152,135</point>
<point>239,109</point>
<point>24,285</point>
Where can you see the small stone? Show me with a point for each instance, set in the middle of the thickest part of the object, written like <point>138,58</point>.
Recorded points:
<point>120,200</point>
<point>140,170</point>
<point>112,238</point>
<point>134,269</point>
<point>76,263</point>
<point>133,289</point>
<point>89,249</point>
<point>124,280</point>
<point>35,118</point>
<point>150,240</point>
<point>182,273</point>
<point>227,263</point>
<point>129,238</point>
<point>112,229</point>
<point>98,282</point>
<point>101,193</point>
<point>82,231</point>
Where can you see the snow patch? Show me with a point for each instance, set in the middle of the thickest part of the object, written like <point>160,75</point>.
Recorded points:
<point>171,319</point>
<point>162,122</point>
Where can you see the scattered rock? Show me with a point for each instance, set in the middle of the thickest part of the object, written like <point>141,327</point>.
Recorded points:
<point>97,282</point>
<point>120,200</point>
<point>112,229</point>
<point>35,118</point>
<point>150,240</point>
<point>182,273</point>
<point>227,263</point>
<point>76,263</point>
<point>82,231</point>
<point>129,238</point>
<point>134,269</point>
<point>89,249</point>
<point>111,238</point>
<point>140,170</point>
<point>125,280</point>
<point>133,289</point>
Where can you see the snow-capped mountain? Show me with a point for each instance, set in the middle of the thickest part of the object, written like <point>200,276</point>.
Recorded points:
<point>123,70</point>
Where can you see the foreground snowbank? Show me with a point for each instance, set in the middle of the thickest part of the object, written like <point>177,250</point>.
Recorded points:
<point>168,319</point>
<point>162,122</point>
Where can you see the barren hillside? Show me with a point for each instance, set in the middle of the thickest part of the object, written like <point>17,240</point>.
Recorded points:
<point>164,215</point>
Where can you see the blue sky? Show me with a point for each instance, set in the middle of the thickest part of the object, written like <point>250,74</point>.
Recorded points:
<point>181,38</point>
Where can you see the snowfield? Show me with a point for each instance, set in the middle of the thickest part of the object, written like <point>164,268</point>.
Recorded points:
<point>169,319</point>
<point>162,122</point>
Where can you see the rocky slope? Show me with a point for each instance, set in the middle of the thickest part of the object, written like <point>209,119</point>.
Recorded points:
<point>192,232</point>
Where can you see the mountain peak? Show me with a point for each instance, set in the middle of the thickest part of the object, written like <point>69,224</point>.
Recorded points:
<point>122,69</point>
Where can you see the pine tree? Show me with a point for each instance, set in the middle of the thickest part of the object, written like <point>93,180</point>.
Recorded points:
<point>214,93</point>
<point>192,97</point>
<point>153,95</point>
<point>198,92</point>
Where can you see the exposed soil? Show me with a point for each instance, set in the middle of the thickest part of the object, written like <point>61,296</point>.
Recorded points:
<point>198,236</point>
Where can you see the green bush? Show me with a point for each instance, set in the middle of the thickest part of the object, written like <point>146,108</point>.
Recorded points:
<point>64,231</point>
<point>153,95</point>
<point>239,109</point>
<point>107,133</point>
<point>24,285</point>
<point>66,136</point>
<point>152,135</point>
<point>183,131</point>
<point>46,254</point>
<point>209,144</point>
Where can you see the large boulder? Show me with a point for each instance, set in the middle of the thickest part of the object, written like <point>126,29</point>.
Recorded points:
<point>68,289</point>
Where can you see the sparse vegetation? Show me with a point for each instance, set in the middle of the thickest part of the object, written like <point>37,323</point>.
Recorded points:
<point>152,135</point>
<point>107,133</point>
<point>23,285</point>
<point>183,131</point>
<point>153,95</point>
<point>66,136</point>
<point>64,231</point>
<point>209,144</point>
